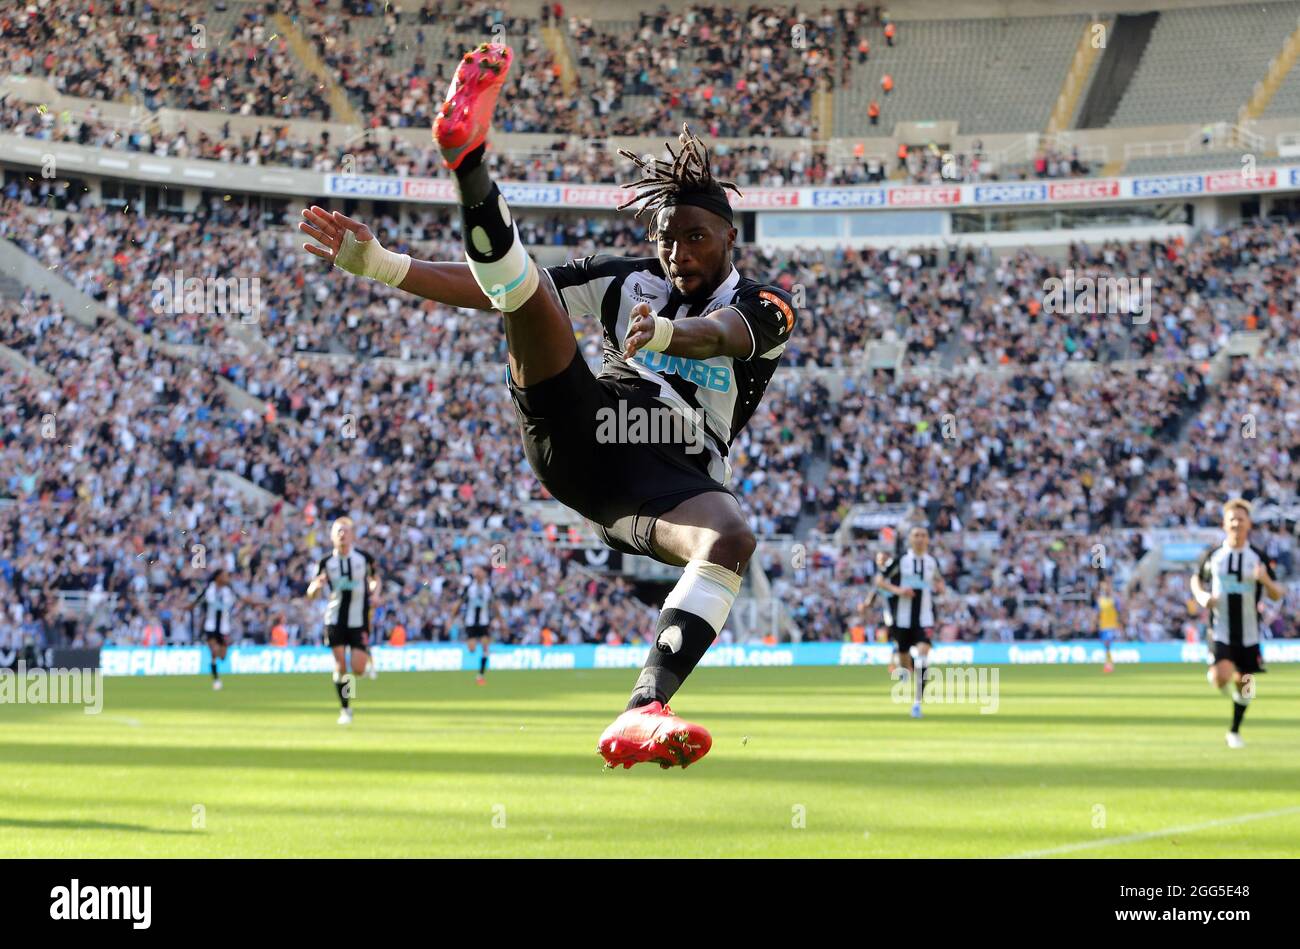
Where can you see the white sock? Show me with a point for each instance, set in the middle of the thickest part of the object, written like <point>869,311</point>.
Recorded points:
<point>706,590</point>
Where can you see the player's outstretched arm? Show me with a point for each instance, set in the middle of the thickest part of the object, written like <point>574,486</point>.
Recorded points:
<point>349,245</point>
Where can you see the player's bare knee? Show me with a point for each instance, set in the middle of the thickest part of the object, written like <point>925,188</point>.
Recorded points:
<point>731,546</point>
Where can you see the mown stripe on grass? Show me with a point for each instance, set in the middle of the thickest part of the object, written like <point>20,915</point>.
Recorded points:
<point>1134,838</point>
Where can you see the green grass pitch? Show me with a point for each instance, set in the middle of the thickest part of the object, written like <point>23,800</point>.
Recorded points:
<point>805,762</point>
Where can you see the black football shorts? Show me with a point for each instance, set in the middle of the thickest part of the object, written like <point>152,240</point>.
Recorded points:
<point>622,489</point>
<point>338,635</point>
<point>1246,658</point>
<point>907,638</point>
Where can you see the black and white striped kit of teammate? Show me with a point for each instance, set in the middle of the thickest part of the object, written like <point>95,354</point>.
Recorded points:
<point>353,582</point>
<point>683,332</point>
<point>911,583</point>
<point>1228,582</point>
<point>478,618</point>
<point>219,601</point>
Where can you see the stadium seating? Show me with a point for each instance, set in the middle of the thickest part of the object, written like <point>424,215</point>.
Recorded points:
<point>1201,64</point>
<point>987,75</point>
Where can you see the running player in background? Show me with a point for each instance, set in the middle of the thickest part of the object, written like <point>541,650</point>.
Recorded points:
<point>352,580</point>
<point>1228,582</point>
<point>884,563</point>
<point>219,601</point>
<point>478,618</point>
<point>683,332</point>
<point>1108,619</point>
<point>913,580</point>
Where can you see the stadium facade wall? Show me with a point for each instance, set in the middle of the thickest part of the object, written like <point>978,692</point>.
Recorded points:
<point>452,657</point>
<point>73,160</point>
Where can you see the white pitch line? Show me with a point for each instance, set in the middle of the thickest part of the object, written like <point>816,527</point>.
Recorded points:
<point>1133,838</point>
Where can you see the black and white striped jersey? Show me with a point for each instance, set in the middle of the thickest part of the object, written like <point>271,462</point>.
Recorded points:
<point>917,573</point>
<point>218,601</point>
<point>718,394</point>
<point>478,603</point>
<point>348,606</point>
<point>1229,574</point>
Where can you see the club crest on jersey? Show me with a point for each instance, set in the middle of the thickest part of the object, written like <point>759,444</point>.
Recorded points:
<point>640,293</point>
<point>781,305</point>
<point>717,378</point>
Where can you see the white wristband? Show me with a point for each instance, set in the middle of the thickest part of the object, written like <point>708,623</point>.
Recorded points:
<point>662,337</point>
<point>369,259</point>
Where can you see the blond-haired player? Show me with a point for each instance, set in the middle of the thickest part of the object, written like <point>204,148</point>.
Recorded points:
<point>1228,582</point>
<point>352,580</point>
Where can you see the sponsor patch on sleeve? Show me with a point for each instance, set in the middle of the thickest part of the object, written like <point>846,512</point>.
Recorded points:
<point>781,305</point>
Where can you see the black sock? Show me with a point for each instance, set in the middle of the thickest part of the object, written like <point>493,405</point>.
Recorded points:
<point>483,222</point>
<point>341,686</point>
<point>672,657</point>
<point>482,663</point>
<point>472,179</point>
<point>1238,713</point>
<point>918,666</point>
<point>214,670</point>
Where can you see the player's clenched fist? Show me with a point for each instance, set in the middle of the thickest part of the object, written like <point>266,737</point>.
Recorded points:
<point>646,331</point>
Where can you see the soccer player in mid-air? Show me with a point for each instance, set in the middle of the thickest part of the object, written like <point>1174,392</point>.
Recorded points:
<point>478,618</point>
<point>684,332</point>
<point>912,581</point>
<point>352,580</point>
<point>1228,582</point>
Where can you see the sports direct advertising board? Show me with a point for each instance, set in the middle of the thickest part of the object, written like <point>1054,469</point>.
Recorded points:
<point>1065,191</point>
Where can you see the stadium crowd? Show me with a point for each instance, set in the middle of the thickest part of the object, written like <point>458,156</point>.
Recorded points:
<point>734,73</point>
<point>112,489</point>
<point>161,53</point>
<point>392,153</point>
<point>1080,445</point>
<point>177,425</point>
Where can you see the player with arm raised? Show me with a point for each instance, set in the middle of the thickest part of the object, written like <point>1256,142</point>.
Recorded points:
<point>1228,582</point>
<point>352,581</point>
<point>684,334</point>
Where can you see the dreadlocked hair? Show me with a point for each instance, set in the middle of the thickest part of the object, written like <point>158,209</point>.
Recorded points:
<point>687,173</point>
